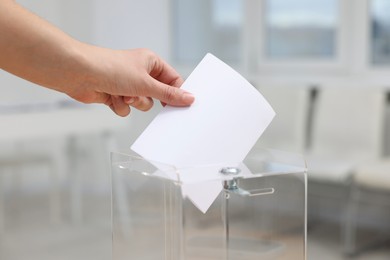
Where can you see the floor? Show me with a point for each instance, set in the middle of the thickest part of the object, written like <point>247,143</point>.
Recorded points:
<point>94,242</point>
<point>27,232</point>
<point>324,244</point>
<point>91,239</point>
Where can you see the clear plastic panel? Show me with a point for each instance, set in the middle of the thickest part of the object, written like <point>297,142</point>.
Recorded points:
<point>256,216</point>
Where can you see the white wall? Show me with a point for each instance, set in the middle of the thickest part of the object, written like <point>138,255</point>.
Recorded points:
<point>124,24</point>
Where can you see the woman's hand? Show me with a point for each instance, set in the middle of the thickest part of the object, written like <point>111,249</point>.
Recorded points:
<point>129,77</point>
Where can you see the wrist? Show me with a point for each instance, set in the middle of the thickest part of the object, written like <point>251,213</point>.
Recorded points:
<point>82,75</point>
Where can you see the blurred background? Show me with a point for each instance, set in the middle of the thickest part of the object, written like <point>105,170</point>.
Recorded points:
<point>323,65</point>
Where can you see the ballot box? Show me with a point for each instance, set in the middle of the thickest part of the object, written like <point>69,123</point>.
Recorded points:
<point>250,210</point>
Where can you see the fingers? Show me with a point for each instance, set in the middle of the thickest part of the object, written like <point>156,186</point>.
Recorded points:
<point>164,73</point>
<point>166,83</point>
<point>171,95</point>
<point>116,103</point>
<point>168,76</point>
<point>119,106</point>
<point>140,103</point>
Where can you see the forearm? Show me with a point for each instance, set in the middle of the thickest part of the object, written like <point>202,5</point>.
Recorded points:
<point>35,50</point>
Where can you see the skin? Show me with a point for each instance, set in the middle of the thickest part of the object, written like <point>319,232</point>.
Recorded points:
<point>35,50</point>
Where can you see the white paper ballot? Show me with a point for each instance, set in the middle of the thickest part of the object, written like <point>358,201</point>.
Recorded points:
<point>221,126</point>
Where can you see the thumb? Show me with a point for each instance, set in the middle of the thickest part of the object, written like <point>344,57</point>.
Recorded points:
<point>171,95</point>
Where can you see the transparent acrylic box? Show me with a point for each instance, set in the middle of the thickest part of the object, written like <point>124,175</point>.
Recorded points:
<point>261,215</point>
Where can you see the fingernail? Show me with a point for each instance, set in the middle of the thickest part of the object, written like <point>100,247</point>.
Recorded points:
<point>130,100</point>
<point>188,98</point>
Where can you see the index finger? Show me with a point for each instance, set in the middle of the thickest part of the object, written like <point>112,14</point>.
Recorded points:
<point>166,74</point>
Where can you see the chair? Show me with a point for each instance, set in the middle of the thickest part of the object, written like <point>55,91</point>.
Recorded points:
<point>16,158</point>
<point>370,186</point>
<point>55,133</point>
<point>348,126</point>
<point>347,129</point>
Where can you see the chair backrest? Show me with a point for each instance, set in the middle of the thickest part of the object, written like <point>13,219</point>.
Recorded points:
<point>349,122</point>
<point>288,130</point>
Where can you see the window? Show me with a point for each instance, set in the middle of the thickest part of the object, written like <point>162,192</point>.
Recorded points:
<point>301,29</point>
<point>267,37</point>
<point>380,32</point>
<point>202,26</point>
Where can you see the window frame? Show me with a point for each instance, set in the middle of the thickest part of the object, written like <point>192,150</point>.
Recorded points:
<point>351,65</point>
<point>265,64</point>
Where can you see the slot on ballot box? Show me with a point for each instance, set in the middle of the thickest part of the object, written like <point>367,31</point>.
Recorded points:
<point>259,212</point>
